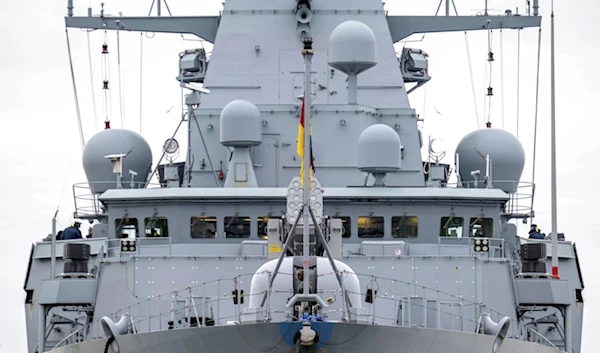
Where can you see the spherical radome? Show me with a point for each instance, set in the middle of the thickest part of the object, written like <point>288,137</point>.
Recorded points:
<point>240,124</point>
<point>379,149</point>
<point>98,169</point>
<point>352,47</point>
<point>506,153</point>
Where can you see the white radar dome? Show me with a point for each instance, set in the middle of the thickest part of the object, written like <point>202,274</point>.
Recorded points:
<point>506,154</point>
<point>241,125</point>
<point>379,150</point>
<point>98,169</point>
<point>282,289</point>
<point>352,48</point>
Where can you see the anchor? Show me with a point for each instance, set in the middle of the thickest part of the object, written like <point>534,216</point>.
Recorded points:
<point>306,338</point>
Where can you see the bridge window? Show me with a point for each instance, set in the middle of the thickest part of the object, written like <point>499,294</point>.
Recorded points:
<point>156,227</point>
<point>452,227</point>
<point>347,224</point>
<point>126,228</point>
<point>481,227</point>
<point>405,226</point>
<point>262,227</point>
<point>370,227</point>
<point>203,227</point>
<point>237,227</point>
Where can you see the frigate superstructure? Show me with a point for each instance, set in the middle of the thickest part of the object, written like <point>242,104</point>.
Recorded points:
<point>369,249</point>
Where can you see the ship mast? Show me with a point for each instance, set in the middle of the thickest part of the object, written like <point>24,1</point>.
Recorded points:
<point>554,211</point>
<point>307,53</point>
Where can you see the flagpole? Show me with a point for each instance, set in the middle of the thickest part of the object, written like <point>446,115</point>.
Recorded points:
<point>307,52</point>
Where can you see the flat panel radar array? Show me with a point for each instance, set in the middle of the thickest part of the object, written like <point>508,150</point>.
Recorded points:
<point>241,129</point>
<point>379,152</point>
<point>135,163</point>
<point>506,154</point>
<point>352,51</point>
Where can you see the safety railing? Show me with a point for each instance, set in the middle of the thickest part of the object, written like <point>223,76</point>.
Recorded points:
<point>384,301</point>
<point>539,338</point>
<point>85,195</point>
<point>519,200</point>
<point>453,246</point>
<point>75,337</point>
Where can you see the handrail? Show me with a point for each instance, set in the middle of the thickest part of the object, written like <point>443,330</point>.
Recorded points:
<point>543,337</point>
<point>66,338</point>
<point>86,201</point>
<point>524,190</point>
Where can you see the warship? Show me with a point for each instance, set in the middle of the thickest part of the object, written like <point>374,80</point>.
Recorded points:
<point>303,218</point>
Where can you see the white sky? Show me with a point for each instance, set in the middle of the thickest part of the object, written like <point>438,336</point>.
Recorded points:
<point>40,147</point>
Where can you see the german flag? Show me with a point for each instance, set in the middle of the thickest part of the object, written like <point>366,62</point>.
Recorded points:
<point>300,148</point>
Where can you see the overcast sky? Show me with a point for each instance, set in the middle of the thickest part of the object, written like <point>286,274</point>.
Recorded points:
<point>41,152</point>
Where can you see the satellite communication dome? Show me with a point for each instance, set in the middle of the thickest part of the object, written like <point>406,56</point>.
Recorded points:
<point>241,125</point>
<point>506,154</point>
<point>379,150</point>
<point>282,286</point>
<point>98,169</point>
<point>352,48</point>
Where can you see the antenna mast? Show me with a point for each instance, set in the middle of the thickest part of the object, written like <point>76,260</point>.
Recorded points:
<point>553,151</point>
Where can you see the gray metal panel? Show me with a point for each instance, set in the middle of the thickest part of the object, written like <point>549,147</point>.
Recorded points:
<point>543,291</point>
<point>384,248</point>
<point>254,248</point>
<point>68,291</point>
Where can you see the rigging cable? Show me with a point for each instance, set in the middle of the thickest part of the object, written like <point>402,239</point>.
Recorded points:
<point>490,91</point>
<point>472,81</point>
<point>92,80</point>
<point>105,81</point>
<point>502,77</point>
<point>537,96</point>
<point>141,73</point>
<point>119,77</point>
<point>109,77</point>
<point>75,92</point>
<point>518,75</point>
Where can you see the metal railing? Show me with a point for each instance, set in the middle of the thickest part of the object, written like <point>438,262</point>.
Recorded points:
<point>394,303</point>
<point>85,195</point>
<point>72,338</point>
<point>163,246</point>
<point>541,339</point>
<point>519,201</point>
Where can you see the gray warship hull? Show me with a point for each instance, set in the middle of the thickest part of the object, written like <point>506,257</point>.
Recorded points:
<point>380,252</point>
<point>333,338</point>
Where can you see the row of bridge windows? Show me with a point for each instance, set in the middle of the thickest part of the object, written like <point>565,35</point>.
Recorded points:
<point>368,227</point>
